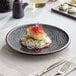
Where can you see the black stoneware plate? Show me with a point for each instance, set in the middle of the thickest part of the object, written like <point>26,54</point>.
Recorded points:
<point>60,40</point>
<point>65,13</point>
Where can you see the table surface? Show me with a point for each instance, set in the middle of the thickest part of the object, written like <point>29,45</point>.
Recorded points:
<point>16,64</point>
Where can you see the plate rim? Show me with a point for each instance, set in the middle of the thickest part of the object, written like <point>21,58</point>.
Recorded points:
<point>24,52</point>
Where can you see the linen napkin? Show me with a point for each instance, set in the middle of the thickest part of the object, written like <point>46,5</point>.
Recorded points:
<point>73,60</point>
<point>5,70</point>
<point>52,72</point>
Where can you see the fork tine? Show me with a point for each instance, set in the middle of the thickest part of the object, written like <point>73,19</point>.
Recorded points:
<point>65,66</point>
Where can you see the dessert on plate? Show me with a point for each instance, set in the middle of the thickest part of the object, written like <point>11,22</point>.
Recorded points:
<point>71,9</point>
<point>35,37</point>
<point>63,6</point>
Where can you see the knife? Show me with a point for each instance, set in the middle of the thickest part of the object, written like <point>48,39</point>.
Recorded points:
<point>50,67</point>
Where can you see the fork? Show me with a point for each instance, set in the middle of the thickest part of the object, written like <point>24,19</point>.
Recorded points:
<point>63,69</point>
<point>50,67</point>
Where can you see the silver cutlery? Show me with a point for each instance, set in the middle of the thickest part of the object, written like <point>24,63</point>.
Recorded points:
<point>64,69</point>
<point>50,67</point>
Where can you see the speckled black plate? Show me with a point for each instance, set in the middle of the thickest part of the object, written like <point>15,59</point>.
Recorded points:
<point>60,40</point>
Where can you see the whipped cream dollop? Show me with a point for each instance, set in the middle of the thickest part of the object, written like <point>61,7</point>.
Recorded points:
<point>72,9</point>
<point>63,6</point>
